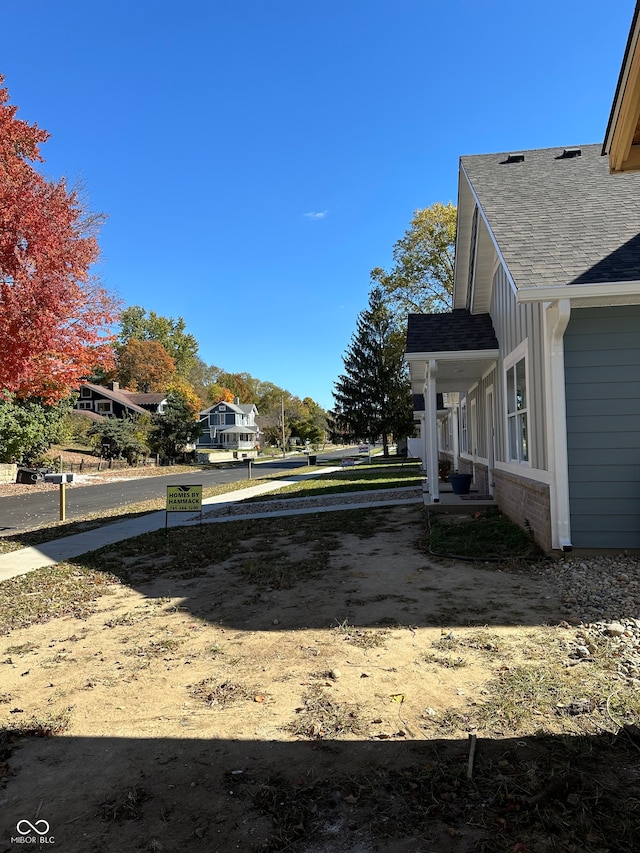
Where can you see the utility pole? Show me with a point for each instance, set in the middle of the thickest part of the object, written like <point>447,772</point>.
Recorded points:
<point>284,453</point>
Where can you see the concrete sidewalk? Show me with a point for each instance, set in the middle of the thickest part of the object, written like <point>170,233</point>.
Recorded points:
<point>49,553</point>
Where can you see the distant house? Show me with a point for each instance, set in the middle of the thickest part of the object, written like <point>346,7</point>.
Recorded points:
<point>539,361</point>
<point>113,401</point>
<point>229,426</point>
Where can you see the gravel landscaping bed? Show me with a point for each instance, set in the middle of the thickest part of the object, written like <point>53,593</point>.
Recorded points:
<point>277,507</point>
<point>601,595</point>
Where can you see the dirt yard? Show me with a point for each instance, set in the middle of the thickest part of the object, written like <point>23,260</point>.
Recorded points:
<point>307,686</point>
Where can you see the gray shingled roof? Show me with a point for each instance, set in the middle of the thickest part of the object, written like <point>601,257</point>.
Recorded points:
<point>560,221</point>
<point>458,330</point>
<point>149,399</point>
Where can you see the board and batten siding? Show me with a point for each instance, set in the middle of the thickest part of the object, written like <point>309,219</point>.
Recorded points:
<point>479,394</point>
<point>513,324</point>
<point>602,382</point>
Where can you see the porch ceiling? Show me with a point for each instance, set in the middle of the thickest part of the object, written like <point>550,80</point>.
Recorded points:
<point>454,371</point>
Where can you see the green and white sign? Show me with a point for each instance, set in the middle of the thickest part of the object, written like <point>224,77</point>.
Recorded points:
<point>184,498</point>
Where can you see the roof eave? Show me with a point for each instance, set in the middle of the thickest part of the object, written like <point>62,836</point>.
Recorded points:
<point>609,292</point>
<point>466,203</point>
<point>452,355</point>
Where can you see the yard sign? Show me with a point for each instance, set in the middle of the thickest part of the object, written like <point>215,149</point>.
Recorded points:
<point>183,499</point>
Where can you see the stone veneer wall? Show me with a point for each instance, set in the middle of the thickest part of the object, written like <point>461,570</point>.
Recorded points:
<point>525,500</point>
<point>464,467</point>
<point>481,479</point>
<point>480,474</point>
<point>8,473</point>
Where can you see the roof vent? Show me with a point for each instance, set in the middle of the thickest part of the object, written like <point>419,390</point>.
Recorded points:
<point>514,158</point>
<point>570,153</point>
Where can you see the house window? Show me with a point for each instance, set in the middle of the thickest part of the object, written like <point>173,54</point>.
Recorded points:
<point>87,404</point>
<point>464,440</point>
<point>517,407</point>
<point>104,407</point>
<point>85,392</point>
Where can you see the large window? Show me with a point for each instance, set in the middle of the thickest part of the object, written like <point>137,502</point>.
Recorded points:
<point>517,407</point>
<point>104,407</point>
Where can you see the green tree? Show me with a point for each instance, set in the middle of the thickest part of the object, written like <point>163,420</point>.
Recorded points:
<point>373,395</point>
<point>204,382</point>
<point>175,428</point>
<point>269,399</point>
<point>316,415</point>
<point>309,432</point>
<point>29,427</point>
<point>421,278</point>
<point>241,385</point>
<point>311,423</point>
<point>121,438</point>
<point>136,323</point>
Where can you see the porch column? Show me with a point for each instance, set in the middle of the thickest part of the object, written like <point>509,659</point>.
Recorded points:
<point>456,436</point>
<point>431,429</point>
<point>424,432</point>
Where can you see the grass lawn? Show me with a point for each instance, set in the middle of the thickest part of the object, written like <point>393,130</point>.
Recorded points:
<point>358,478</point>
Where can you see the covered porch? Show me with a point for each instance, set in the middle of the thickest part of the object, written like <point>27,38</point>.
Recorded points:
<point>447,355</point>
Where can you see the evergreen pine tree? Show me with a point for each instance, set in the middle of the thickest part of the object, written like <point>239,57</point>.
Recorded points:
<point>373,395</point>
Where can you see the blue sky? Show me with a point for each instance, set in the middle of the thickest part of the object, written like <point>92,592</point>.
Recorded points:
<point>257,159</point>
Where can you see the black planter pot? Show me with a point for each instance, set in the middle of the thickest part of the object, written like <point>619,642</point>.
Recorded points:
<point>460,483</point>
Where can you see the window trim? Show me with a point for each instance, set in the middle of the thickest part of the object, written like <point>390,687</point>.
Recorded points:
<point>464,427</point>
<point>510,362</point>
<point>106,411</point>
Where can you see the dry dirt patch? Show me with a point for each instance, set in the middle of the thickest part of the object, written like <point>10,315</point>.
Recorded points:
<point>304,685</point>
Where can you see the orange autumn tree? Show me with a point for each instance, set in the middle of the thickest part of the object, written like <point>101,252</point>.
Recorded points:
<point>144,366</point>
<point>181,387</point>
<point>54,318</point>
<point>218,394</point>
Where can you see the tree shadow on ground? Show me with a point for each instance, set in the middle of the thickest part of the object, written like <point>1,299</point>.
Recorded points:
<point>526,795</point>
<point>369,567</point>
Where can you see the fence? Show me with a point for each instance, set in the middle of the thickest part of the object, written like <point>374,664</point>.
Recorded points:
<point>93,465</point>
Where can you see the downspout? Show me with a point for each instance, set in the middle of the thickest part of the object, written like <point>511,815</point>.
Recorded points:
<point>557,316</point>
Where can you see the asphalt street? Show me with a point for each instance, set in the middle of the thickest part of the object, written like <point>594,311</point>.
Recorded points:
<point>29,510</point>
